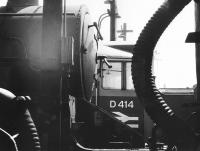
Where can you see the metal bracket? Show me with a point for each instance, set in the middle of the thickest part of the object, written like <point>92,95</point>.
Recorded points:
<point>99,36</point>
<point>193,37</point>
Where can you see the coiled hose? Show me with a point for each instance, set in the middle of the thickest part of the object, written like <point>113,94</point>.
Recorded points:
<point>177,130</point>
<point>28,135</point>
<point>15,118</point>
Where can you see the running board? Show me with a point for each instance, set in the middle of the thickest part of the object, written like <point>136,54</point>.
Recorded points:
<point>135,139</point>
<point>110,116</point>
<point>80,147</point>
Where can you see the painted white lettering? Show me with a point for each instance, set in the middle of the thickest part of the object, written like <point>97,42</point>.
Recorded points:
<point>112,104</point>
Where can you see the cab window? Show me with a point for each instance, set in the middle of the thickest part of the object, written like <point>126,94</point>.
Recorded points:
<point>129,81</point>
<point>117,77</point>
<point>112,76</point>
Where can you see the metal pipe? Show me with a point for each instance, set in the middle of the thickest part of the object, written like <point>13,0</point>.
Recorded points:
<point>197,24</point>
<point>52,30</point>
<point>112,20</point>
<point>50,61</point>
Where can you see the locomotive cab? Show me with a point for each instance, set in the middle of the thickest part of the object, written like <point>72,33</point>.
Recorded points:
<point>115,91</point>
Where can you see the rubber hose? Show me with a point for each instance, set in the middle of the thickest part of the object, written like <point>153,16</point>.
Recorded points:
<point>143,79</point>
<point>28,135</point>
<point>15,109</point>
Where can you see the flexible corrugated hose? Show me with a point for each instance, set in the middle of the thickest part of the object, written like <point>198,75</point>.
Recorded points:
<point>16,119</point>
<point>177,130</point>
<point>28,136</point>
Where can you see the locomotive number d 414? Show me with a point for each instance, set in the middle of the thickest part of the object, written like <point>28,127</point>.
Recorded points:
<point>121,104</point>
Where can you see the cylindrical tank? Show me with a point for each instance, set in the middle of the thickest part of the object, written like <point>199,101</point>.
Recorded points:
<point>22,38</point>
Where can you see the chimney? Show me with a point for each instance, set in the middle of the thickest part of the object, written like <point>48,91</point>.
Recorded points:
<point>22,3</point>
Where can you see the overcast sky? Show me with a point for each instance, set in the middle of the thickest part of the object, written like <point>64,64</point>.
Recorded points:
<point>175,64</point>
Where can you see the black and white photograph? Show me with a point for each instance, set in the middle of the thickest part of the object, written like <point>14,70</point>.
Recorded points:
<point>99,75</point>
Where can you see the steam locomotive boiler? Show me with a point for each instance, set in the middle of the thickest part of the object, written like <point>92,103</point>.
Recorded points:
<point>48,60</point>
<point>21,40</point>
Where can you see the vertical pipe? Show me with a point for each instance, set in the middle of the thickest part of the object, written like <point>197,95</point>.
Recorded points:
<point>65,88</point>
<point>125,28</point>
<point>51,74</point>
<point>52,30</point>
<point>112,20</point>
<point>197,26</point>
